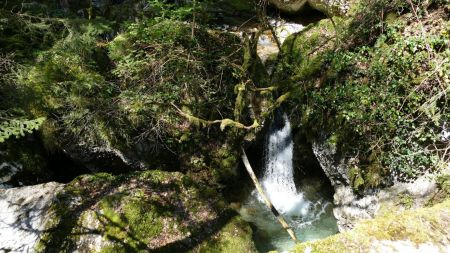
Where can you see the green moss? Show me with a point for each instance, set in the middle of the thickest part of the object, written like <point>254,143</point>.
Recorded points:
<point>406,200</point>
<point>374,175</point>
<point>141,212</point>
<point>361,77</point>
<point>443,184</point>
<point>333,140</point>
<point>239,104</point>
<point>356,178</point>
<point>132,219</point>
<point>304,53</point>
<point>234,237</point>
<point>426,225</point>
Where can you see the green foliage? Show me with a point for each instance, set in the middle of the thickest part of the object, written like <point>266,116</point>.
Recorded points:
<point>18,127</point>
<point>406,200</point>
<point>370,17</point>
<point>121,93</point>
<point>443,183</point>
<point>24,34</point>
<point>67,82</point>
<point>163,9</point>
<point>161,63</point>
<point>383,90</point>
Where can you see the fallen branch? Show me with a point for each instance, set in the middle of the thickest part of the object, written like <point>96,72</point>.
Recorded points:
<point>269,204</point>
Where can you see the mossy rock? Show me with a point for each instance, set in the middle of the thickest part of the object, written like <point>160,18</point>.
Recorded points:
<point>303,53</point>
<point>234,237</point>
<point>141,212</point>
<point>413,227</point>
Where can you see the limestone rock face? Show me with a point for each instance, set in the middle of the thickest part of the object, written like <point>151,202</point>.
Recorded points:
<point>335,166</point>
<point>24,212</point>
<point>351,209</point>
<point>329,7</point>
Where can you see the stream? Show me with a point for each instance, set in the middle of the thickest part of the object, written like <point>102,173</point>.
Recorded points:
<point>304,204</point>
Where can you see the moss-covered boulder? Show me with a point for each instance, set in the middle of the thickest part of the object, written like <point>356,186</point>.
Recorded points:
<point>149,211</point>
<point>303,53</point>
<point>422,230</point>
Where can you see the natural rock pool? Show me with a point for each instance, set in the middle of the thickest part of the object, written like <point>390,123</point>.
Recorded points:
<point>268,233</point>
<point>305,204</point>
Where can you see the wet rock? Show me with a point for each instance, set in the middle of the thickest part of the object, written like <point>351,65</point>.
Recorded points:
<point>349,209</point>
<point>24,213</point>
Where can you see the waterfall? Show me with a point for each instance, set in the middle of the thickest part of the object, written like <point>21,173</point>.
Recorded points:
<point>304,208</point>
<point>278,178</point>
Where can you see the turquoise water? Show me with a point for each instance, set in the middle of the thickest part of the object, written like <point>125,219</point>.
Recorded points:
<point>311,219</point>
<point>306,205</point>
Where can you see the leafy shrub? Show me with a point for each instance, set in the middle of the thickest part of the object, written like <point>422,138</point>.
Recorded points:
<point>122,93</point>
<point>384,90</point>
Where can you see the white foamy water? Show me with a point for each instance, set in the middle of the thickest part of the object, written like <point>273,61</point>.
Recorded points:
<point>309,218</point>
<point>278,179</point>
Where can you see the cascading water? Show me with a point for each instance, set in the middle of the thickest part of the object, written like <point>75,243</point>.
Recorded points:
<point>278,180</point>
<point>311,218</point>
